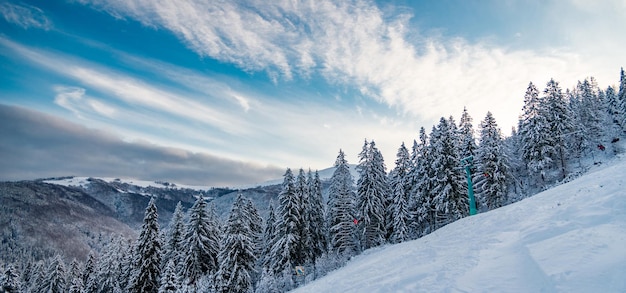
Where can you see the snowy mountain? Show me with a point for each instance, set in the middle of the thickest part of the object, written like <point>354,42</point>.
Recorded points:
<point>571,238</point>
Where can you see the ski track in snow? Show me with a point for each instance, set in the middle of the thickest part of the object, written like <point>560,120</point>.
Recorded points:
<point>571,238</point>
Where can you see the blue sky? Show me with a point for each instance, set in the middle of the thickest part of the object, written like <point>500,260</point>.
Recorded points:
<point>252,88</point>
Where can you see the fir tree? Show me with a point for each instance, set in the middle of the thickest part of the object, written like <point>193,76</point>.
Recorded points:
<point>466,131</point>
<point>170,281</point>
<point>175,241</point>
<point>422,207</point>
<point>285,251</point>
<point>74,278</point>
<point>54,281</point>
<point>537,144</point>
<point>447,183</point>
<point>10,281</point>
<point>302,195</point>
<point>372,190</point>
<point>201,242</point>
<point>621,97</point>
<point>317,227</point>
<point>341,209</point>
<point>237,258</point>
<point>147,264</point>
<point>269,236</point>
<point>90,274</point>
<point>491,180</point>
<point>400,186</point>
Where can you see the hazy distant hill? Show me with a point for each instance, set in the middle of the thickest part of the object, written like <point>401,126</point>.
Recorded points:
<point>73,215</point>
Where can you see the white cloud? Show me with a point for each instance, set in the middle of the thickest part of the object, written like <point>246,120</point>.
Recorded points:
<point>355,43</point>
<point>75,100</point>
<point>24,15</point>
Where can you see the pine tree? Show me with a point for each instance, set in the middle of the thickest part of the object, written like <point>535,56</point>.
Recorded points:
<point>175,241</point>
<point>269,236</point>
<point>75,278</point>
<point>559,121</point>
<point>613,111</point>
<point>447,183</point>
<point>492,165</point>
<point>201,243</point>
<point>170,281</point>
<point>341,209</point>
<point>372,190</point>
<point>302,195</point>
<point>316,220</point>
<point>621,97</point>
<point>537,144</point>
<point>237,258</point>
<point>90,274</point>
<point>466,131</point>
<point>147,264</point>
<point>400,186</point>
<point>422,199</point>
<point>285,251</point>
<point>54,280</point>
<point>10,281</point>
<point>112,266</point>
<point>267,281</point>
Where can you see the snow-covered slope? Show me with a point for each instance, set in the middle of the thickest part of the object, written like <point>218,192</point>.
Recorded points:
<point>571,238</point>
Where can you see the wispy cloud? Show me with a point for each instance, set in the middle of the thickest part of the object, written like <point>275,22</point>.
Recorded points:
<point>25,15</point>
<point>355,43</point>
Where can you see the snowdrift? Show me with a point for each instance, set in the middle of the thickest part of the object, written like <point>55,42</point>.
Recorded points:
<point>571,238</point>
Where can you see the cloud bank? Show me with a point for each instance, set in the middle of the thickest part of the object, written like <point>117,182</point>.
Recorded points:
<point>36,145</point>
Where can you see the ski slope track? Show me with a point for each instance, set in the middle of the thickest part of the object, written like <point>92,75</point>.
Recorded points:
<point>571,238</point>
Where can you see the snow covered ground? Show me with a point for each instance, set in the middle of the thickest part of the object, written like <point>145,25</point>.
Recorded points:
<point>83,181</point>
<point>571,238</point>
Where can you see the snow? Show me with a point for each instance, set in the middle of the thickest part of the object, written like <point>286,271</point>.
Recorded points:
<point>83,181</point>
<point>571,238</point>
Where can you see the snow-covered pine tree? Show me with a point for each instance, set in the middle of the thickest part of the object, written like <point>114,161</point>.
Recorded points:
<point>341,209</point>
<point>422,208</point>
<point>537,142</point>
<point>10,281</point>
<point>400,187</point>
<point>492,165</point>
<point>111,267</point>
<point>74,277</point>
<point>285,251</point>
<point>621,97</point>
<point>170,282</point>
<point>54,279</point>
<point>267,278</point>
<point>174,239</point>
<point>90,274</point>
<point>269,235</point>
<point>237,257</point>
<point>317,223</point>
<point>613,112</point>
<point>306,242</point>
<point>517,167</point>
<point>448,184</point>
<point>467,140</point>
<point>255,221</point>
<point>559,119</point>
<point>147,265</point>
<point>588,117</point>
<point>202,243</point>
<point>372,190</point>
